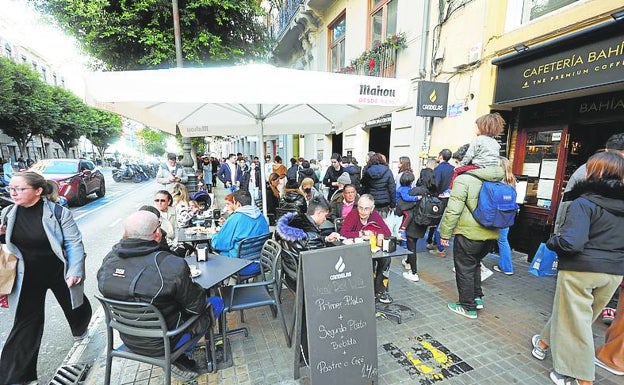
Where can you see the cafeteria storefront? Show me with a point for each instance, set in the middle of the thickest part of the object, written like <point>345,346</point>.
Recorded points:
<point>566,98</point>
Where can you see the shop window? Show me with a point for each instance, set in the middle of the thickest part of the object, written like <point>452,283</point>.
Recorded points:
<point>540,167</point>
<point>337,37</point>
<point>532,9</point>
<point>383,20</point>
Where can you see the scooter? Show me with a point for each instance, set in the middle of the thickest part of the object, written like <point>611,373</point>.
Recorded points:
<point>125,172</point>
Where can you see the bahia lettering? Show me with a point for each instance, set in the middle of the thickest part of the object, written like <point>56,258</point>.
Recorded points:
<point>611,104</point>
<point>366,89</point>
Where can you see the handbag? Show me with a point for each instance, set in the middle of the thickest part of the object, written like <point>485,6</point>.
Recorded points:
<point>8,270</point>
<point>544,262</point>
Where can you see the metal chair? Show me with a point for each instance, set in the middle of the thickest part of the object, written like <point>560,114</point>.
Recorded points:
<point>338,224</point>
<point>263,292</point>
<point>141,319</point>
<point>250,248</point>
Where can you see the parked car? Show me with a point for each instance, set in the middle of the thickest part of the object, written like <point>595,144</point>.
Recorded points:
<point>77,178</point>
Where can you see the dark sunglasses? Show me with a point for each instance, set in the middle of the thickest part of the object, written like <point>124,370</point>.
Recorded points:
<point>160,200</point>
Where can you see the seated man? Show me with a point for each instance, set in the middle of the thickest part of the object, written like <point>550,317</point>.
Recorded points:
<point>342,206</point>
<point>246,221</point>
<point>137,270</point>
<point>363,222</point>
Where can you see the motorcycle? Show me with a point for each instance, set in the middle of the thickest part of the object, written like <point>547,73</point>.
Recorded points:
<point>126,172</point>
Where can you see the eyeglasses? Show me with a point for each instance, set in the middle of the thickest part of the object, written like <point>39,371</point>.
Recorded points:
<point>365,209</point>
<point>19,190</point>
<point>160,200</point>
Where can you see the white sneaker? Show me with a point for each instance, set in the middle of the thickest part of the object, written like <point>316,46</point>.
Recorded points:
<point>406,264</point>
<point>485,273</point>
<point>411,276</point>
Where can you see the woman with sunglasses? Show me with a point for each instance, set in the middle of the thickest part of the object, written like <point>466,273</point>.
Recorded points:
<point>50,256</point>
<point>163,202</point>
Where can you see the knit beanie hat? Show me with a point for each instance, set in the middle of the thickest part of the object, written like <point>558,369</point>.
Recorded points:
<point>344,178</point>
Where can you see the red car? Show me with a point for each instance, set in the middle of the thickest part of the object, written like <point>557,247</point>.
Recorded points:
<point>77,178</point>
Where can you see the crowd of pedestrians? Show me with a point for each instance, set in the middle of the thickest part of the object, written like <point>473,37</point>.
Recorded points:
<point>312,207</point>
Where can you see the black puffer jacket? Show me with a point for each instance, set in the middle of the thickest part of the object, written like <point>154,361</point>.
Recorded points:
<point>297,233</point>
<point>294,199</point>
<point>591,237</point>
<point>331,175</point>
<point>379,182</point>
<point>134,271</point>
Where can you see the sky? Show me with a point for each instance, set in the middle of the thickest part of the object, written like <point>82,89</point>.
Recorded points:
<point>29,29</point>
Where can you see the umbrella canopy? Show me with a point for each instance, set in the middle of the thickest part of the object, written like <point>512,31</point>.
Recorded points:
<point>235,100</point>
<point>255,99</point>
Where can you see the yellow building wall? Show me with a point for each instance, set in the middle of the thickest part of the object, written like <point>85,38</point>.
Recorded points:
<point>485,20</point>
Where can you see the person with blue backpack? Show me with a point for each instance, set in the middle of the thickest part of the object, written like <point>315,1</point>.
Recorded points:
<point>473,239</point>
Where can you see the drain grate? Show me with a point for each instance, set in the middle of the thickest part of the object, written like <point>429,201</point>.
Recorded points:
<point>70,374</point>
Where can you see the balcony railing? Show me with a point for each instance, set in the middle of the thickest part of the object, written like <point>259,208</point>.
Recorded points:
<point>289,8</point>
<point>379,61</point>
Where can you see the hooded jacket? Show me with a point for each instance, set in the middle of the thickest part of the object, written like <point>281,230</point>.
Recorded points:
<point>247,221</point>
<point>135,270</point>
<point>591,237</point>
<point>379,182</point>
<point>307,173</point>
<point>457,218</point>
<point>297,232</point>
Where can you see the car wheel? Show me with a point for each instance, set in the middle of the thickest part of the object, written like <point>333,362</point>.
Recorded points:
<point>81,200</point>
<point>102,191</point>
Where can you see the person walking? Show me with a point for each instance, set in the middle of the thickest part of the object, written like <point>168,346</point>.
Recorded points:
<point>590,246</point>
<point>330,180</point>
<point>48,245</point>
<point>610,356</point>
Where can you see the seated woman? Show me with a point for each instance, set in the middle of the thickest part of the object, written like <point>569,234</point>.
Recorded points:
<point>308,190</point>
<point>364,222</point>
<point>272,195</point>
<point>163,201</point>
<point>293,199</point>
<point>184,212</point>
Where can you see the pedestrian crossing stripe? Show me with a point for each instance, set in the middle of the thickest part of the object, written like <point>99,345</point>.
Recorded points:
<point>428,361</point>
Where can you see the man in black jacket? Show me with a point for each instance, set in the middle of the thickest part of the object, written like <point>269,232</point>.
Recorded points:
<point>137,270</point>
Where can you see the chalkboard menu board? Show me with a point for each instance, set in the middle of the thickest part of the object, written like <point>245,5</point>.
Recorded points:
<point>340,315</point>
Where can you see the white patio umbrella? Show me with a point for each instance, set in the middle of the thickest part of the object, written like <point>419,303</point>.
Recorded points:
<point>255,99</point>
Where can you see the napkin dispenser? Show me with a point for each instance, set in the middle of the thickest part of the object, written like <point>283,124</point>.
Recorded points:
<point>389,244</point>
<point>201,253</point>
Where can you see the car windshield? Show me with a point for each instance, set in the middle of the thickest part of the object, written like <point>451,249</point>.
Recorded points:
<point>55,167</point>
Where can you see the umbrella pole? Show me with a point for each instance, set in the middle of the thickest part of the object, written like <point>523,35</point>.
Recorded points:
<point>262,155</point>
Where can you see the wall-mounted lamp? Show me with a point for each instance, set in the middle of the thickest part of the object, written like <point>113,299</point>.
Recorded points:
<point>619,15</point>
<point>521,47</point>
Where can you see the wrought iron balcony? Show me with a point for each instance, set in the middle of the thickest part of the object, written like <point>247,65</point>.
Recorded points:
<point>379,61</point>
<point>288,9</point>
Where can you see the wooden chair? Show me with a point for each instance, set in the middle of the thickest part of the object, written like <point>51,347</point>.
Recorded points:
<point>144,320</point>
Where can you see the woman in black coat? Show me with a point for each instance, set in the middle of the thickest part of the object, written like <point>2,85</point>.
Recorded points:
<point>379,182</point>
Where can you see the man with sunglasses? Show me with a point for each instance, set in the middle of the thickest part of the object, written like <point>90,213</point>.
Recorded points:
<point>137,270</point>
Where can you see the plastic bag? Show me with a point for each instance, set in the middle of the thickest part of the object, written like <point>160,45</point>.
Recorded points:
<point>544,263</point>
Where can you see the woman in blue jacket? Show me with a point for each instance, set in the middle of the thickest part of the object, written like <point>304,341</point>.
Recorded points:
<point>590,246</point>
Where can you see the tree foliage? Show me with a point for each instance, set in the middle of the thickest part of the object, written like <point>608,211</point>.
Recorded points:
<point>75,119</point>
<point>153,141</point>
<point>132,35</point>
<point>106,130</point>
<point>27,109</point>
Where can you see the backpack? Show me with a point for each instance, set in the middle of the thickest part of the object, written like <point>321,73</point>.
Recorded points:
<point>496,206</point>
<point>429,211</point>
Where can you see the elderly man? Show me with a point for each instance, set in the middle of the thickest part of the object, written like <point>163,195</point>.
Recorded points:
<point>343,205</point>
<point>170,172</point>
<point>137,270</point>
<point>246,221</point>
<point>366,222</point>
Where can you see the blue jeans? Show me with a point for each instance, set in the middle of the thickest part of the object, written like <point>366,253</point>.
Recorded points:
<point>217,309</point>
<point>504,250</point>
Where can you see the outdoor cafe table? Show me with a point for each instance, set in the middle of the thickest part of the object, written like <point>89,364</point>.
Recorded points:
<point>389,310</point>
<point>214,270</point>
<point>194,237</point>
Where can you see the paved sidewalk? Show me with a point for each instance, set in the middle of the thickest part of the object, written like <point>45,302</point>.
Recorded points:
<point>493,349</point>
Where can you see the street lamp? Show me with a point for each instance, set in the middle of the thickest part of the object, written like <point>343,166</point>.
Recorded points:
<point>187,160</point>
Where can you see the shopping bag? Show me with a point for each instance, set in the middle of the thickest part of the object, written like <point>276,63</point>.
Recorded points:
<point>8,269</point>
<point>544,263</point>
